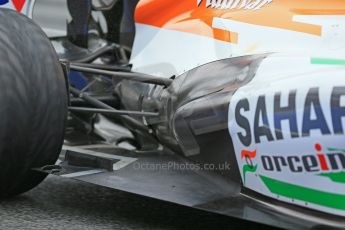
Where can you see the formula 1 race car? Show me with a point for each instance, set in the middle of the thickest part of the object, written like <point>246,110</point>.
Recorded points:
<point>235,107</point>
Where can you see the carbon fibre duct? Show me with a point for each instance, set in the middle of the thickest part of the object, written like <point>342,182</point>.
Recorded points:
<point>77,29</point>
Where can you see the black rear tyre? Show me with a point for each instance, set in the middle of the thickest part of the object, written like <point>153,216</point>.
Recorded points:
<point>33,103</point>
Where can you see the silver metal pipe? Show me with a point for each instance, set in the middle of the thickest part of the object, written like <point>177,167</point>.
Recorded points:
<point>94,102</point>
<point>111,111</point>
<point>124,75</point>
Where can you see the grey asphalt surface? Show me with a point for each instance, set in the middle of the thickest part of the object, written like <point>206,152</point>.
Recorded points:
<point>60,203</point>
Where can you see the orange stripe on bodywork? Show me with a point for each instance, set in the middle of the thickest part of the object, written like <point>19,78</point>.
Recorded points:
<point>248,154</point>
<point>319,11</point>
<point>186,16</point>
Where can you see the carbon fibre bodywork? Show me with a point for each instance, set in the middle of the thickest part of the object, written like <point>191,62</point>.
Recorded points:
<point>194,162</point>
<point>205,190</point>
